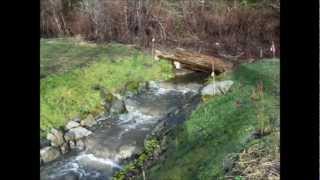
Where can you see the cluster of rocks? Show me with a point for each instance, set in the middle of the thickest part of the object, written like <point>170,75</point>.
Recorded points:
<point>72,136</point>
<point>60,142</point>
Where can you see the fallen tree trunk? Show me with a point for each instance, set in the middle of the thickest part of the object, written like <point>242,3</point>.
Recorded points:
<point>195,61</point>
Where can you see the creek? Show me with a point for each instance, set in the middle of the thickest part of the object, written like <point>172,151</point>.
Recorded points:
<point>161,104</point>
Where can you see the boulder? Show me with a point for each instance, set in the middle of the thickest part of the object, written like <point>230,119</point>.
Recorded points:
<point>55,137</point>
<point>152,85</point>
<point>72,144</point>
<point>108,99</point>
<point>219,88</point>
<point>127,151</point>
<point>117,107</point>
<point>76,119</point>
<point>77,133</point>
<point>118,96</point>
<point>44,142</point>
<point>68,176</point>
<point>77,145</point>
<point>89,121</point>
<point>49,153</point>
<point>80,145</point>
<point>72,124</point>
<point>64,148</point>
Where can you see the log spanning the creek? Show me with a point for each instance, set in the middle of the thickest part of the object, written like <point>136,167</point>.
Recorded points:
<point>195,61</point>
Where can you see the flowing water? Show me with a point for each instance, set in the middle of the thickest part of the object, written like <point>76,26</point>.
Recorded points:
<point>168,102</point>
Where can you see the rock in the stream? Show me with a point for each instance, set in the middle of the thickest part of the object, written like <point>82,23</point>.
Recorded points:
<point>77,133</point>
<point>118,96</point>
<point>220,88</point>
<point>117,107</point>
<point>49,153</point>
<point>126,151</point>
<point>64,148</point>
<point>44,142</point>
<point>55,137</point>
<point>72,144</point>
<point>108,99</point>
<point>152,85</point>
<point>80,145</point>
<point>76,119</point>
<point>72,124</point>
<point>77,145</point>
<point>69,176</point>
<point>89,121</point>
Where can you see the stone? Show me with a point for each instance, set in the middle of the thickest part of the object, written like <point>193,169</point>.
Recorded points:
<point>117,107</point>
<point>152,85</point>
<point>77,133</point>
<point>64,148</point>
<point>220,87</point>
<point>118,96</point>
<point>44,142</point>
<point>126,151</point>
<point>143,86</point>
<point>182,72</point>
<point>228,162</point>
<point>72,124</point>
<point>89,121</point>
<point>72,144</point>
<point>80,145</point>
<point>55,137</point>
<point>76,119</point>
<point>108,99</point>
<point>69,176</point>
<point>49,153</point>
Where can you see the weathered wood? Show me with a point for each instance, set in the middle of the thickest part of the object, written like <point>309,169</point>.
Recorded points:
<point>195,61</point>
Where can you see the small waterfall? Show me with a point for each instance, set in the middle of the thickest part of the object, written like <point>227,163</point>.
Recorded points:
<point>82,166</point>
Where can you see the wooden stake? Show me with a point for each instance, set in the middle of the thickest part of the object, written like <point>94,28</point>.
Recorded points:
<point>152,50</point>
<point>273,49</point>
<point>213,79</point>
<point>143,174</point>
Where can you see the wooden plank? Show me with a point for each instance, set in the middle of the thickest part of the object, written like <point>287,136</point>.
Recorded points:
<point>195,61</point>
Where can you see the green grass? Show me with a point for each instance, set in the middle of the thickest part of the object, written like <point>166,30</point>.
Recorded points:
<point>67,91</point>
<point>221,125</point>
<point>64,54</point>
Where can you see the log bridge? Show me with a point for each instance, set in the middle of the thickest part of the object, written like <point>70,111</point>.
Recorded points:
<point>195,61</point>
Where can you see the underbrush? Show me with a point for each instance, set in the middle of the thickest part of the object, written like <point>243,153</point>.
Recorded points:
<point>260,160</point>
<point>239,26</point>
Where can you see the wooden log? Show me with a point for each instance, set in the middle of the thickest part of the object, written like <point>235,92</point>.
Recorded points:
<point>196,61</point>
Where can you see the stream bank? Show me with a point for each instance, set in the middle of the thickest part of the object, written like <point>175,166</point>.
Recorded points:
<point>244,123</point>
<point>114,140</point>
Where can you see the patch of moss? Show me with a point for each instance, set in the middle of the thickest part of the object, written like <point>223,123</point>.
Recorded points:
<point>134,167</point>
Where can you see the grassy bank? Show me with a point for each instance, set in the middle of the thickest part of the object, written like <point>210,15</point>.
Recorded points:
<point>221,126</point>
<point>71,69</point>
